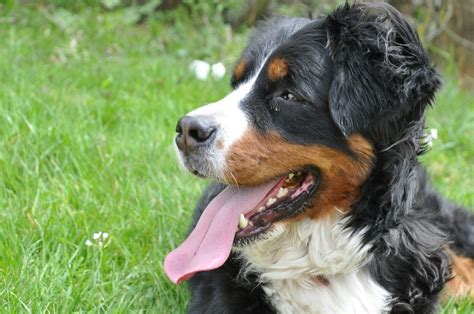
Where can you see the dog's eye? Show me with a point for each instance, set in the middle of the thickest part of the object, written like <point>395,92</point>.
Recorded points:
<point>288,96</point>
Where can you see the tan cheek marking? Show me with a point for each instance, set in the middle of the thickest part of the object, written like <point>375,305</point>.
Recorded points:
<point>462,283</point>
<point>256,158</point>
<point>239,70</point>
<point>277,69</point>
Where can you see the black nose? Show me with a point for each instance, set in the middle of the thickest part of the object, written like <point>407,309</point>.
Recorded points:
<point>193,132</point>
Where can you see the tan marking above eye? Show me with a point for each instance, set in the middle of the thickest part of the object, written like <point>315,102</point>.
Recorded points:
<point>239,70</point>
<point>277,69</point>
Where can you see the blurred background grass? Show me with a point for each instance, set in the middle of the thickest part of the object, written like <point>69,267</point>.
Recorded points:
<point>89,95</point>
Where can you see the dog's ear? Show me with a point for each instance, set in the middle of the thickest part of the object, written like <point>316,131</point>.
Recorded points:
<point>382,71</point>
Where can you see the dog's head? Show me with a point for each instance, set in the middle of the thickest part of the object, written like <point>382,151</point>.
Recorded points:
<point>298,134</point>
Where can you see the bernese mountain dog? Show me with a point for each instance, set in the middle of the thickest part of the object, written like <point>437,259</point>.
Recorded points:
<point>319,203</point>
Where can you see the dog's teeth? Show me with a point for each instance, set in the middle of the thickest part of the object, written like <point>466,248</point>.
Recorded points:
<point>260,209</point>
<point>271,201</point>
<point>282,192</point>
<point>243,222</point>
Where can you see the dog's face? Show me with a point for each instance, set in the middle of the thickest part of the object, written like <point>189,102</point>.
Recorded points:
<point>310,100</point>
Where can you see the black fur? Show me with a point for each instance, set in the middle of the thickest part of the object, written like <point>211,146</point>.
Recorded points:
<point>360,70</point>
<point>382,70</point>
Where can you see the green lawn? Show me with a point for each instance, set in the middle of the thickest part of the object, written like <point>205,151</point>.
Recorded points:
<point>88,106</point>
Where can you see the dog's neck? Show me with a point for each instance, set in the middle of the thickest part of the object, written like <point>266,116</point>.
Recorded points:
<point>312,266</point>
<point>305,249</point>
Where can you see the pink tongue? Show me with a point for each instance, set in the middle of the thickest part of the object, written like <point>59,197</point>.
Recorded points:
<point>209,244</point>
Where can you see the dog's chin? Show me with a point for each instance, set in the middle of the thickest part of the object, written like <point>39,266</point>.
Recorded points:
<point>273,233</point>
<point>202,164</point>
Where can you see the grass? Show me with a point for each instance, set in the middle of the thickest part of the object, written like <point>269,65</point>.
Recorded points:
<point>88,106</point>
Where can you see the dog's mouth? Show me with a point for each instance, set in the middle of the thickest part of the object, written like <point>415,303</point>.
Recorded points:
<point>239,214</point>
<point>287,198</point>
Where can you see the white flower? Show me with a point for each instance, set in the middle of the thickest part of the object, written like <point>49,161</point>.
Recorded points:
<point>200,68</point>
<point>99,239</point>
<point>433,135</point>
<point>73,45</point>
<point>218,70</point>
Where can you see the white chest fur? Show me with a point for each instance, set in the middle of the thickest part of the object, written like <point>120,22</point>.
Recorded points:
<point>292,257</point>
